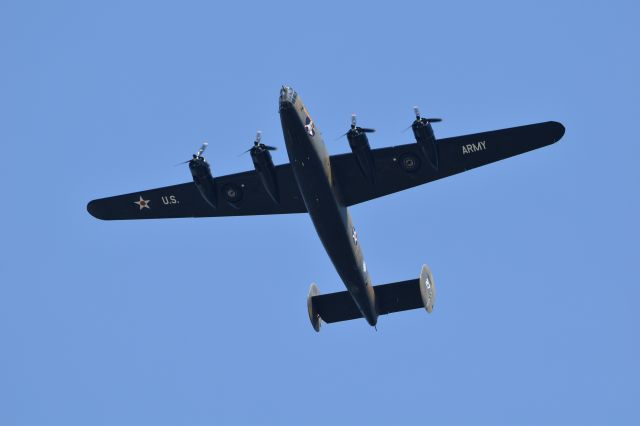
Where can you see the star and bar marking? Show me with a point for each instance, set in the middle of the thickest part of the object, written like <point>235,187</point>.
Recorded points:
<point>142,203</point>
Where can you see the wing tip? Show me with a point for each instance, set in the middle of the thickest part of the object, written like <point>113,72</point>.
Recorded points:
<point>94,209</point>
<point>558,130</point>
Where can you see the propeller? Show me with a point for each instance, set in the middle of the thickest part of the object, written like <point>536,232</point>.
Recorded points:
<point>354,127</point>
<point>197,154</point>
<point>416,110</point>
<point>420,119</point>
<point>258,145</point>
<point>361,129</point>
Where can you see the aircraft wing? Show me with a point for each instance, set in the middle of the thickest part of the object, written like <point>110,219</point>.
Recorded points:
<point>184,200</point>
<point>456,155</point>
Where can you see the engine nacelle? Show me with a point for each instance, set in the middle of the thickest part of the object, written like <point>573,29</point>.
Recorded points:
<point>201,172</point>
<point>359,143</point>
<point>426,139</point>
<point>263,164</point>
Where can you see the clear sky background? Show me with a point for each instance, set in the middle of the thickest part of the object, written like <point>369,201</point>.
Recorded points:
<point>203,321</point>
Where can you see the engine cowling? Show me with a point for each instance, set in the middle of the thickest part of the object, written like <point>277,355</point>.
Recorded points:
<point>202,177</point>
<point>425,137</point>
<point>263,164</point>
<point>359,144</point>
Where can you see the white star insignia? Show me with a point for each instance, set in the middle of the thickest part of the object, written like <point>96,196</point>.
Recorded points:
<point>144,204</point>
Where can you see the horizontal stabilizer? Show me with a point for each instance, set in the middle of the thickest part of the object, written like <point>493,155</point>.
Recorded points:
<point>393,297</point>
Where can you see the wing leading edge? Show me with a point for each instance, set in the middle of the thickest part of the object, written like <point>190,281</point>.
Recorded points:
<point>401,167</point>
<point>184,200</point>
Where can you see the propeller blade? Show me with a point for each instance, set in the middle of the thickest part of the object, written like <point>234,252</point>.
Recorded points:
<point>341,136</point>
<point>366,129</point>
<point>433,120</point>
<point>270,148</point>
<point>202,149</point>
<point>244,152</point>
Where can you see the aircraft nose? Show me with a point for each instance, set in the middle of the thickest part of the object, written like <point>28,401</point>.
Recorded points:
<point>287,95</point>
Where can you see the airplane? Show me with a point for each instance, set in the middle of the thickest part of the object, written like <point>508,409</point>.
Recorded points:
<point>325,186</point>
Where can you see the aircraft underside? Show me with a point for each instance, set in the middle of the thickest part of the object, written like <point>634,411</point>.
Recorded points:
<point>325,186</point>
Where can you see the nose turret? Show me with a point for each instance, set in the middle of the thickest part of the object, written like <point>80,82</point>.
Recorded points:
<point>287,96</point>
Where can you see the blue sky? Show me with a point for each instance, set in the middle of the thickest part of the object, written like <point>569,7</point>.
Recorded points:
<point>204,321</point>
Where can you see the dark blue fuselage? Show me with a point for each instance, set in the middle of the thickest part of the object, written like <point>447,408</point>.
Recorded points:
<point>312,169</point>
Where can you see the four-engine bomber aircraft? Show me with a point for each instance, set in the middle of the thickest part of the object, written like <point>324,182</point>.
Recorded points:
<point>325,186</point>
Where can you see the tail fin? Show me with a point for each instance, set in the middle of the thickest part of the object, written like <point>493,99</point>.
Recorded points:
<point>393,297</point>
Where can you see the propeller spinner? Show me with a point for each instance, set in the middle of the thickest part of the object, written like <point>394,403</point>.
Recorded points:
<point>197,155</point>
<point>416,110</point>
<point>258,145</point>
<point>355,127</point>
